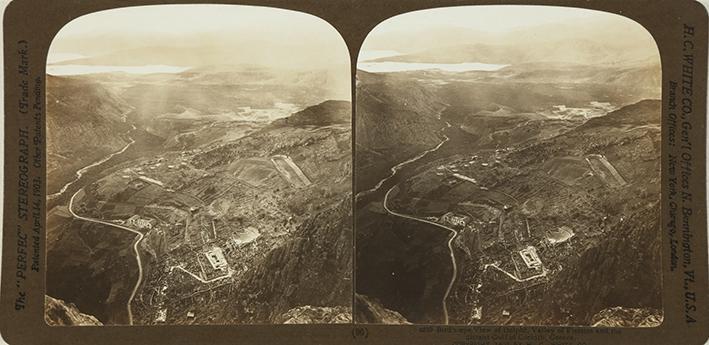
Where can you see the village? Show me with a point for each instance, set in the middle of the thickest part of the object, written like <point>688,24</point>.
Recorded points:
<point>499,223</point>
<point>197,238</point>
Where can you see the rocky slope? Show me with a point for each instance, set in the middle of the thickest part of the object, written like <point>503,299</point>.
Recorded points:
<point>58,313</point>
<point>316,315</point>
<point>622,270</point>
<point>313,268</point>
<point>627,317</point>
<point>370,311</point>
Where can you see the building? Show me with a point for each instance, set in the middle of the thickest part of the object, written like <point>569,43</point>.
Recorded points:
<point>136,184</point>
<point>142,223</point>
<point>216,258</point>
<point>453,219</point>
<point>150,180</point>
<point>476,313</point>
<point>162,315</point>
<point>465,178</point>
<point>530,257</point>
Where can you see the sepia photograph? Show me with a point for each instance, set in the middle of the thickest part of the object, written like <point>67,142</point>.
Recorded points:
<point>199,168</point>
<point>507,169</point>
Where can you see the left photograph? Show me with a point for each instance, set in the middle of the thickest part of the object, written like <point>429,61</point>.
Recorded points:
<point>198,168</point>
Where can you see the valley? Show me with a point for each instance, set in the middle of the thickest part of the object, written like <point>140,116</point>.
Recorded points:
<point>173,222</point>
<point>488,205</point>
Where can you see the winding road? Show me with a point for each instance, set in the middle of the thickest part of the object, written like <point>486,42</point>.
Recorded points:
<point>394,170</point>
<point>139,238</point>
<point>82,171</point>
<point>450,248</point>
<point>399,166</point>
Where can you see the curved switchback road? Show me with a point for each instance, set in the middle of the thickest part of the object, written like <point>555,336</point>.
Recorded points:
<point>450,248</point>
<point>135,249</point>
<point>394,170</point>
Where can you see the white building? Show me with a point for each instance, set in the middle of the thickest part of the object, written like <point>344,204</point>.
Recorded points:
<point>150,180</point>
<point>142,223</point>
<point>454,219</point>
<point>530,257</point>
<point>476,313</point>
<point>162,315</point>
<point>216,258</point>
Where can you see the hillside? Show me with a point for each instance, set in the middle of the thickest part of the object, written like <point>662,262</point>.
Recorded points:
<point>84,124</point>
<point>396,119</point>
<point>287,235</point>
<point>326,113</point>
<point>613,259</point>
<point>598,183</point>
<point>313,268</point>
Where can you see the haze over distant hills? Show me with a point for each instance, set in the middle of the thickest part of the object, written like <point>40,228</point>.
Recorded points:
<point>618,38</point>
<point>207,51</point>
<point>197,36</point>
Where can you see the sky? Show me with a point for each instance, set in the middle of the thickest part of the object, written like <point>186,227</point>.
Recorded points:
<point>181,19</point>
<point>221,26</point>
<point>511,25</point>
<point>496,18</point>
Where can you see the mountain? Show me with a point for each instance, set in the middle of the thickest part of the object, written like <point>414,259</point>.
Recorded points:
<point>394,111</point>
<point>396,119</point>
<point>621,39</point>
<point>643,113</point>
<point>199,52</point>
<point>85,122</point>
<point>579,51</point>
<point>642,74</point>
<point>170,104</point>
<point>323,114</point>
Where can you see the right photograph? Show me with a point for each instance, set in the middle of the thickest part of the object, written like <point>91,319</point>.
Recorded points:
<point>507,169</point>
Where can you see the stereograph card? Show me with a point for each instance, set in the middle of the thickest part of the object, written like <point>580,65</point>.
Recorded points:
<point>367,172</point>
